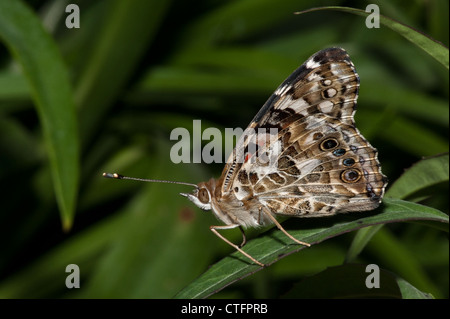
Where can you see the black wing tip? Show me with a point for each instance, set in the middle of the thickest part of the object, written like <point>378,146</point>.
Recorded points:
<point>330,54</point>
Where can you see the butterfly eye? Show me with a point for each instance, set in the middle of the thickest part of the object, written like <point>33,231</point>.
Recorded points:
<point>350,175</point>
<point>203,195</point>
<point>328,144</point>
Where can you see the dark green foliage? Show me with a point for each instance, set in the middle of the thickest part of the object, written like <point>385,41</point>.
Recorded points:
<point>77,102</point>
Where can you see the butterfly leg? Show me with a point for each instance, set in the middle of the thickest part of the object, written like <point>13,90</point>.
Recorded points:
<point>281,227</point>
<point>244,239</point>
<point>214,230</point>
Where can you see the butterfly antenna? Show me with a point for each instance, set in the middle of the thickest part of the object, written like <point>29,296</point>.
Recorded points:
<point>118,176</point>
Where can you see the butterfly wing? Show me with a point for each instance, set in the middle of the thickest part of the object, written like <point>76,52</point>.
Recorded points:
<point>302,154</point>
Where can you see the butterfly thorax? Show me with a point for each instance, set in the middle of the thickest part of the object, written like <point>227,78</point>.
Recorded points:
<point>227,207</point>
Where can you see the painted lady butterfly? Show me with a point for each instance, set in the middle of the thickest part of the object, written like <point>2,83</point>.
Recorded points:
<point>301,156</point>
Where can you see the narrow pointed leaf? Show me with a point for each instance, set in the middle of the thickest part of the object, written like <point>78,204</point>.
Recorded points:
<point>48,79</point>
<point>425,173</point>
<point>274,245</point>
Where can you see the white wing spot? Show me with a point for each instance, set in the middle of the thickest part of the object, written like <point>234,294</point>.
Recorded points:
<point>314,77</point>
<point>331,92</point>
<point>282,89</point>
<point>284,102</point>
<point>299,105</point>
<point>326,106</point>
<point>311,64</point>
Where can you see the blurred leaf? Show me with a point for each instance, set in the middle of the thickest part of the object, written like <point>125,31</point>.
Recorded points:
<point>429,45</point>
<point>362,237</point>
<point>121,42</point>
<point>165,82</point>
<point>51,91</point>
<point>18,148</point>
<point>408,102</point>
<point>408,291</point>
<point>13,86</point>
<point>135,253</point>
<point>392,253</point>
<point>425,173</point>
<point>349,281</point>
<point>238,19</point>
<point>264,67</point>
<point>413,138</point>
<point>310,261</point>
<point>273,246</point>
<point>158,234</point>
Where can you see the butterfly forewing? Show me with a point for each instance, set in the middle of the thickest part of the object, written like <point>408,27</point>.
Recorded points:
<point>326,83</point>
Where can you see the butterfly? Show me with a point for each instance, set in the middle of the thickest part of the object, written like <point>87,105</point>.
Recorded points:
<point>301,155</point>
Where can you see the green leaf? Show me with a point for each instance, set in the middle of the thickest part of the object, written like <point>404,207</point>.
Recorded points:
<point>169,82</point>
<point>47,77</point>
<point>238,19</point>
<point>426,43</point>
<point>425,173</point>
<point>121,40</point>
<point>408,291</point>
<point>362,237</point>
<point>274,245</point>
<point>392,253</point>
<point>411,136</point>
<point>406,101</point>
<point>13,85</point>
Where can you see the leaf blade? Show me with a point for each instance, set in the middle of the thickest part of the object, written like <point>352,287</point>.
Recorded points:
<point>424,173</point>
<point>51,91</point>
<point>274,246</point>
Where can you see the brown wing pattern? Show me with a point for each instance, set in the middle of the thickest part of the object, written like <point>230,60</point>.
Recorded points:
<point>317,163</point>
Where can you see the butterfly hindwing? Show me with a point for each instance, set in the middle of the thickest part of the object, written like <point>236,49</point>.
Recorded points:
<point>315,162</point>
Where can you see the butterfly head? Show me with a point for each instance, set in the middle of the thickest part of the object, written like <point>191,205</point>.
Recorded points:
<point>201,197</point>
